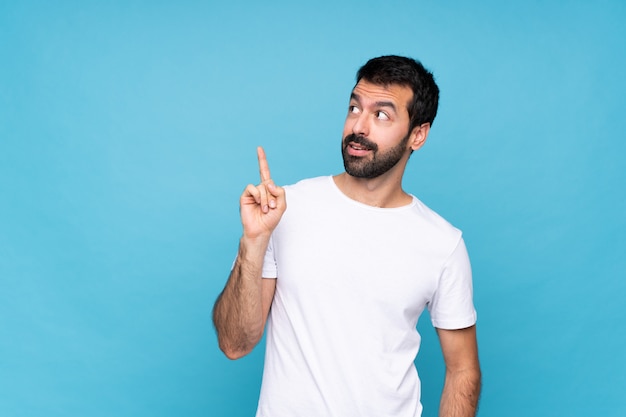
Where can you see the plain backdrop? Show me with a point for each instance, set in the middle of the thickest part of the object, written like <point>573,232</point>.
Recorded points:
<point>128,130</point>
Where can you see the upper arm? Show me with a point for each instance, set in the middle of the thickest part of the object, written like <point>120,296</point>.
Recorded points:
<point>268,288</point>
<point>460,349</point>
<point>452,306</point>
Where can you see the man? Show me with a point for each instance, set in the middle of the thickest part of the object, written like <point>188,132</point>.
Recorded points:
<point>343,274</point>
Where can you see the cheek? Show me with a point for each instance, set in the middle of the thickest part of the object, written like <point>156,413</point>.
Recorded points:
<point>347,129</point>
<point>390,139</point>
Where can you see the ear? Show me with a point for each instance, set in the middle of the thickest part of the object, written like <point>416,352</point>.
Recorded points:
<point>419,135</point>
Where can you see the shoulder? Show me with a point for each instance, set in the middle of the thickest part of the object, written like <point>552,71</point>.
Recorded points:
<point>434,225</point>
<point>307,183</point>
<point>304,199</point>
<point>309,187</point>
<point>432,217</point>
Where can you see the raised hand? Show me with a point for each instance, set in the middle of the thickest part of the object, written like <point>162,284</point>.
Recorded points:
<point>241,310</point>
<point>262,205</point>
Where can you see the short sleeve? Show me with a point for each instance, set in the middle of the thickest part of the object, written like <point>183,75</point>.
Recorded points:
<point>270,269</point>
<point>452,305</point>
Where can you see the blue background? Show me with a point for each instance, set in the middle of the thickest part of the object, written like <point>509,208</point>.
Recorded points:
<point>128,130</point>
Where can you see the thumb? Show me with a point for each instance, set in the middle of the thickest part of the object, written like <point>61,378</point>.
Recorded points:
<point>277,192</point>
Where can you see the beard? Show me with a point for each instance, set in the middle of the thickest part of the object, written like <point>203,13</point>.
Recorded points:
<point>379,164</point>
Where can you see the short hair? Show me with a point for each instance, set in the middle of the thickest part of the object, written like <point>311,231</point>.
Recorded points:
<point>392,69</point>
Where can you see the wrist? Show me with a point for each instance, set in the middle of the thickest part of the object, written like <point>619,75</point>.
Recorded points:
<point>253,246</point>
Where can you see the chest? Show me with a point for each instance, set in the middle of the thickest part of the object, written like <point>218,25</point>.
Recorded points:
<point>360,260</point>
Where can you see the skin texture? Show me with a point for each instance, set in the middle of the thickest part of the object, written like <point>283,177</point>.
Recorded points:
<point>379,116</point>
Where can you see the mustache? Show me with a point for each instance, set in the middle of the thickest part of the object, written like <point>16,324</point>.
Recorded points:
<point>360,140</point>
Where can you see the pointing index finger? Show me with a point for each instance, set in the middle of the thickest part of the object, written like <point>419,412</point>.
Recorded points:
<point>263,166</point>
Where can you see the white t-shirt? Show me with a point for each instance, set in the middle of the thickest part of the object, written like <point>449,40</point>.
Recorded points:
<point>352,281</point>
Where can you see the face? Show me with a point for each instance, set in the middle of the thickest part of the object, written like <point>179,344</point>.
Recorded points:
<point>375,134</point>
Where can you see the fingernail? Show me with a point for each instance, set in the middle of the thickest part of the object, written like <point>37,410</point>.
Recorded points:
<point>265,208</point>
<point>272,203</point>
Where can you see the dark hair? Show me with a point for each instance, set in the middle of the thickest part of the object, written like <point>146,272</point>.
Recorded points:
<point>399,70</point>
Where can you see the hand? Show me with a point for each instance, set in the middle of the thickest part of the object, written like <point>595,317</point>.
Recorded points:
<point>263,205</point>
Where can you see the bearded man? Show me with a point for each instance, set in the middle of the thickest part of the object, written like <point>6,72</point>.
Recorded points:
<point>339,279</point>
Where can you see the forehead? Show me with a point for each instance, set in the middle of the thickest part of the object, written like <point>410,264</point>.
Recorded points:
<point>369,93</point>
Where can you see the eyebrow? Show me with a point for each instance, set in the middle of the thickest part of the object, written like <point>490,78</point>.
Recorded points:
<point>390,104</point>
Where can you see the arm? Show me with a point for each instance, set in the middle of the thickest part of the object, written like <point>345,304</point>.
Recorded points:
<point>461,389</point>
<point>241,310</point>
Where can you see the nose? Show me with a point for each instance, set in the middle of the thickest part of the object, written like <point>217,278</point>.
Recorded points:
<point>361,125</point>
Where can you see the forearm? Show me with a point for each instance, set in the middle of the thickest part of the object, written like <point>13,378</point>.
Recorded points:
<point>238,312</point>
<point>460,393</point>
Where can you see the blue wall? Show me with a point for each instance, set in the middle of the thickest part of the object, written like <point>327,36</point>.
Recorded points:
<point>128,131</point>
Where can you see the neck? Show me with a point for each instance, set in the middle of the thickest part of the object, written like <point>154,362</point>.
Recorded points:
<point>384,191</point>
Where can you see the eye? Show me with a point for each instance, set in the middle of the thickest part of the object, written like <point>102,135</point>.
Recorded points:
<point>353,109</point>
<point>381,115</point>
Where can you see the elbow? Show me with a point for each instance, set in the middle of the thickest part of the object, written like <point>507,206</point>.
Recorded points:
<point>472,374</point>
<point>234,354</point>
<point>476,374</point>
<point>235,351</point>
<point>236,342</point>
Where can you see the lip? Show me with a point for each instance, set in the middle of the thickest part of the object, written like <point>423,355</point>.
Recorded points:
<point>355,149</point>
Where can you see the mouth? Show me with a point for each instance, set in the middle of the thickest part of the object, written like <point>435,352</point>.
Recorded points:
<point>356,149</point>
<point>358,145</point>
